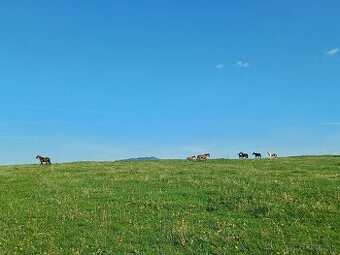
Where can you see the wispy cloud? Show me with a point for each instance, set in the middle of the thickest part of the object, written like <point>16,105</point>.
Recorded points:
<point>219,66</point>
<point>332,123</point>
<point>6,136</point>
<point>59,109</point>
<point>332,52</point>
<point>3,124</point>
<point>241,64</point>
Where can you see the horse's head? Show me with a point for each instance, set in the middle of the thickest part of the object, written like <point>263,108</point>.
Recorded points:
<point>38,156</point>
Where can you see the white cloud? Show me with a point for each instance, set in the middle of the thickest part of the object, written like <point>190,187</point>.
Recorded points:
<point>242,64</point>
<point>332,52</point>
<point>219,66</point>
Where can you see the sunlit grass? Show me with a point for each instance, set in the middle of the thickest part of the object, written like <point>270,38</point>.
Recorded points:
<point>283,206</point>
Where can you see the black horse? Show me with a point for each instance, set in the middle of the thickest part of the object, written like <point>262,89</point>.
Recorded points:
<point>242,155</point>
<point>257,154</point>
<point>46,160</point>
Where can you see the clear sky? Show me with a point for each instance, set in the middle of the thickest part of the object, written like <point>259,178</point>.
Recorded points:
<point>106,80</point>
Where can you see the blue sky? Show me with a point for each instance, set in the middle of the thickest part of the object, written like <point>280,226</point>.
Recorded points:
<point>105,80</point>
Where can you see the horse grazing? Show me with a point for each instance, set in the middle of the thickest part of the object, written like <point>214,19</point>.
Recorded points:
<point>191,158</point>
<point>46,160</point>
<point>242,155</point>
<point>257,154</point>
<point>272,154</point>
<point>203,156</point>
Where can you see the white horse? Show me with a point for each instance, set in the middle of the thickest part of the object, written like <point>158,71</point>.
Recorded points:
<point>191,158</point>
<point>272,154</point>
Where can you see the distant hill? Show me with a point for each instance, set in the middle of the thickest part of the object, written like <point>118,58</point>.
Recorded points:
<point>139,159</point>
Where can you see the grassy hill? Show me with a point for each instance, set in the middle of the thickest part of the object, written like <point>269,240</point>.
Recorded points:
<point>283,206</point>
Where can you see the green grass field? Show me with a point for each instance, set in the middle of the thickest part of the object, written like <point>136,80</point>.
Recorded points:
<point>283,206</point>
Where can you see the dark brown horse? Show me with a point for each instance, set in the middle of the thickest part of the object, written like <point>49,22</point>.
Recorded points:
<point>203,156</point>
<point>43,159</point>
<point>257,154</point>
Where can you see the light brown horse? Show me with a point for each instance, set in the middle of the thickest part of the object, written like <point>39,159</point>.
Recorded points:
<point>191,158</point>
<point>46,160</point>
<point>203,156</point>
